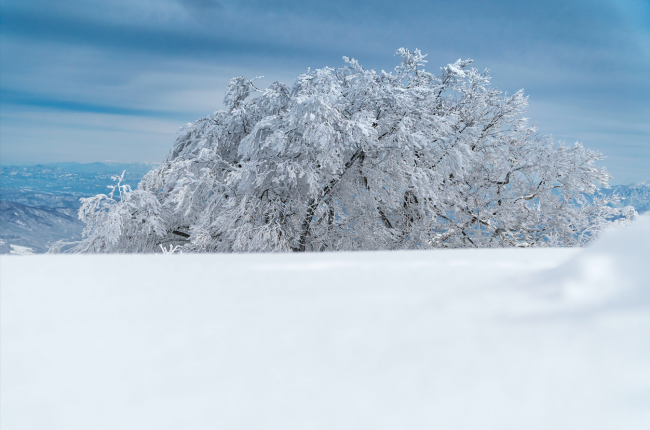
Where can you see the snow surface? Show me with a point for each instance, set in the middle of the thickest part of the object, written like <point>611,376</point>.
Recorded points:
<point>21,250</point>
<point>458,339</point>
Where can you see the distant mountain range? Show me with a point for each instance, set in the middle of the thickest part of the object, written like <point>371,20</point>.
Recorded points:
<point>70,178</point>
<point>636,195</point>
<point>39,204</point>
<point>105,167</point>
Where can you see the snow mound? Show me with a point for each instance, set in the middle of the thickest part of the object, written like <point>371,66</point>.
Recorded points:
<point>614,270</point>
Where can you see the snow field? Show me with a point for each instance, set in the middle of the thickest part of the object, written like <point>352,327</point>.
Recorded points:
<point>458,339</point>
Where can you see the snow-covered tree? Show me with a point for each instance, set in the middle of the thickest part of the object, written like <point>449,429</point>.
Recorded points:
<point>129,222</point>
<point>353,159</point>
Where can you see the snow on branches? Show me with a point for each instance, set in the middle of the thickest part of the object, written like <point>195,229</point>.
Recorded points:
<point>353,159</point>
<point>132,222</point>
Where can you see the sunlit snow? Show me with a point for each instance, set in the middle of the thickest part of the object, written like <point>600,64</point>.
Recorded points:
<point>457,339</point>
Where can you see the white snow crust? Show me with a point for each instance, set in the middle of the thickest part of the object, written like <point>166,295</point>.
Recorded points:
<point>457,339</point>
<point>20,250</point>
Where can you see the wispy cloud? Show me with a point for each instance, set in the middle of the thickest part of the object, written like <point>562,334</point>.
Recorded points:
<point>172,59</point>
<point>26,99</point>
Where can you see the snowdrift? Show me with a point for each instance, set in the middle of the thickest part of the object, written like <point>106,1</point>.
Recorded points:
<point>459,339</point>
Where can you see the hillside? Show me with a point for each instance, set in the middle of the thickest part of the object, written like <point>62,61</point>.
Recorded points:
<point>34,229</point>
<point>460,339</point>
<point>64,203</point>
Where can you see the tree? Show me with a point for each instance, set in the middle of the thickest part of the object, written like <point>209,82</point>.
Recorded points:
<point>353,159</point>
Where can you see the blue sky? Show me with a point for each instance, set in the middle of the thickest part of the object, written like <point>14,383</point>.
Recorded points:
<point>98,80</point>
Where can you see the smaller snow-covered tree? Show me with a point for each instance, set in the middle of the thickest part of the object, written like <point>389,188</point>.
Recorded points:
<point>349,159</point>
<point>132,222</point>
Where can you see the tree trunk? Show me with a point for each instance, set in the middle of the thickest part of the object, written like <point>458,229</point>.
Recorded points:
<point>313,203</point>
